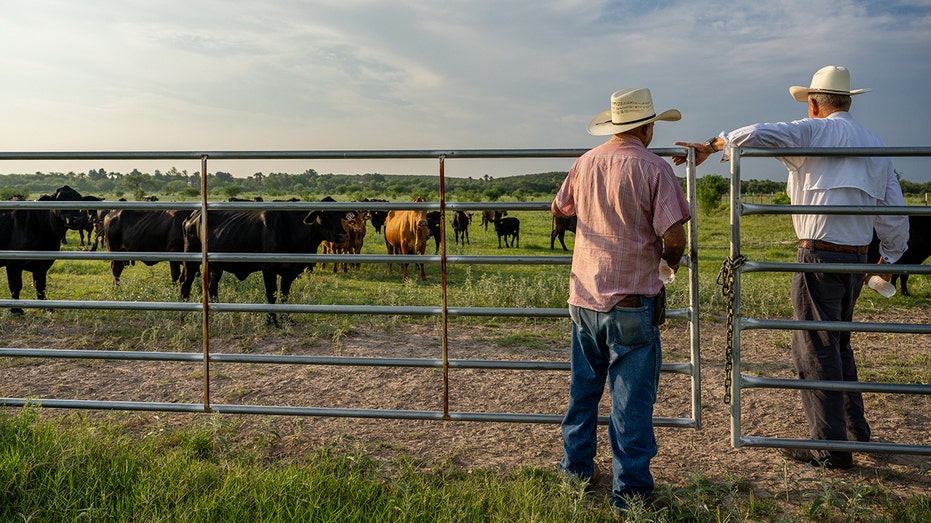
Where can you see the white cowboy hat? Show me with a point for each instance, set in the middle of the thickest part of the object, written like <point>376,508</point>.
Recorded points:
<point>830,79</point>
<point>630,108</point>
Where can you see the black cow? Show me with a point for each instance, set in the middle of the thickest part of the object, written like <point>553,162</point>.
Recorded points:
<point>461,221</point>
<point>76,223</point>
<point>265,231</point>
<point>377,217</point>
<point>433,225</point>
<point>918,250</point>
<point>90,226</point>
<point>489,216</point>
<point>254,199</point>
<point>561,224</point>
<point>137,230</point>
<point>508,228</point>
<point>35,230</point>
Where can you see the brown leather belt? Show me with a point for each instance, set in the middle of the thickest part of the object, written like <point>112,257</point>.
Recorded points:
<point>819,245</point>
<point>631,300</point>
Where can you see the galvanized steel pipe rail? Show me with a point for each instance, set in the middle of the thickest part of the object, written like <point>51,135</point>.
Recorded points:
<point>741,381</point>
<point>205,257</point>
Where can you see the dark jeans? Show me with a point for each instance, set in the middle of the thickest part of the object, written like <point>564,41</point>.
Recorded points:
<point>827,355</point>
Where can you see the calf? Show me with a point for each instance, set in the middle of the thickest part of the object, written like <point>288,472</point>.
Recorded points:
<point>356,233</point>
<point>354,224</point>
<point>489,216</point>
<point>88,225</point>
<point>94,224</point>
<point>377,217</point>
<point>461,221</point>
<point>406,232</point>
<point>508,228</point>
<point>561,224</point>
<point>433,225</point>
<point>918,250</point>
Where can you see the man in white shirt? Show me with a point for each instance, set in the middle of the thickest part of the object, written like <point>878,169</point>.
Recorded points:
<point>823,180</point>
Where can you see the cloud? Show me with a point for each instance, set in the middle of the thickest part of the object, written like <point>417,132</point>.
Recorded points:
<point>376,74</point>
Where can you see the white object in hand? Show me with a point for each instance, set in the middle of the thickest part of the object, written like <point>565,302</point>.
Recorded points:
<point>666,274</point>
<point>881,286</point>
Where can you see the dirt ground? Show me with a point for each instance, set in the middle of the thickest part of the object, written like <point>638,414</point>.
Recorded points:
<point>683,452</point>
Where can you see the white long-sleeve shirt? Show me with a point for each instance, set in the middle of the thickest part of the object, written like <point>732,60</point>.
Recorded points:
<point>824,180</point>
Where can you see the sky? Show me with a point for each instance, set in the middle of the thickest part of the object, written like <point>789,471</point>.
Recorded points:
<point>233,75</point>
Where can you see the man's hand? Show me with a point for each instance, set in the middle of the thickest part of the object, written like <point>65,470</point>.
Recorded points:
<point>887,277</point>
<point>701,153</point>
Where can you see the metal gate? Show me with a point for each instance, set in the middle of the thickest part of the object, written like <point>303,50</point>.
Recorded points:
<point>738,264</point>
<point>689,314</point>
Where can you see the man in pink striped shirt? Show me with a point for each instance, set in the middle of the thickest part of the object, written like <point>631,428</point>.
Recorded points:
<point>631,212</point>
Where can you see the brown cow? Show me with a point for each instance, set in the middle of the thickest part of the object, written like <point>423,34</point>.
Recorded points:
<point>561,224</point>
<point>489,216</point>
<point>354,224</point>
<point>406,232</point>
<point>461,221</point>
<point>357,234</point>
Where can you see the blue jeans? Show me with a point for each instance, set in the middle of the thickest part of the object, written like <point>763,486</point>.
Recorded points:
<point>623,348</point>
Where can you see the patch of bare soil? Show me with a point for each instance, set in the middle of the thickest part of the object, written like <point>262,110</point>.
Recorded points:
<point>683,452</point>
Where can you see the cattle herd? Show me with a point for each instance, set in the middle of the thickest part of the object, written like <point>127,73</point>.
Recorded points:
<point>269,231</point>
<point>231,231</point>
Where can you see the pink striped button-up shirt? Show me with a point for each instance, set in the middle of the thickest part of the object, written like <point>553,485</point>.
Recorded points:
<point>625,198</point>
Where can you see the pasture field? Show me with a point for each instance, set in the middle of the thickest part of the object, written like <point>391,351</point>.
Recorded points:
<point>64,465</point>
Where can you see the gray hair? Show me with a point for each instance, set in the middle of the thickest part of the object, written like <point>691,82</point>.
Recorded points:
<point>837,101</point>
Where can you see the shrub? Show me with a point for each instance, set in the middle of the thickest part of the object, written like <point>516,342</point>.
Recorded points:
<point>709,189</point>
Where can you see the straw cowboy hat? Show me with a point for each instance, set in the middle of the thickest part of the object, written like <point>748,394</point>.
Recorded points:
<point>830,79</point>
<point>630,108</point>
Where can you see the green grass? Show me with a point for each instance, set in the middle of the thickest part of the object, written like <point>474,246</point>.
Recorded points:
<point>70,468</point>
<point>765,238</point>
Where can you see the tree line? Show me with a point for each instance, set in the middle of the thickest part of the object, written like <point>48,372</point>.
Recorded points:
<point>309,185</point>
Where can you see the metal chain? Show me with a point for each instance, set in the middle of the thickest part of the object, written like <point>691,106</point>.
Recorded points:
<point>726,281</point>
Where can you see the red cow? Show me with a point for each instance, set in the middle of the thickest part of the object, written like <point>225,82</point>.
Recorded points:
<point>406,232</point>
<point>354,225</point>
<point>561,224</point>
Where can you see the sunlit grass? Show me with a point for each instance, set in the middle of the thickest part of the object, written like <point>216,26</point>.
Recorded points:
<point>71,469</point>
<point>195,475</point>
